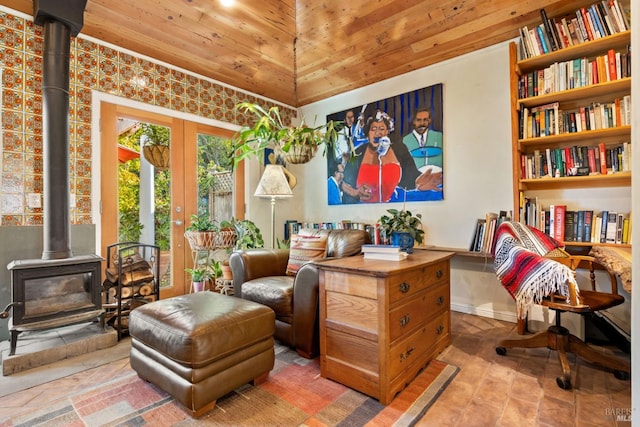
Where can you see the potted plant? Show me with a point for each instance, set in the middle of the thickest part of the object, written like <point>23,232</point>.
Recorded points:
<point>249,235</point>
<point>201,233</point>
<point>399,222</point>
<point>297,144</point>
<point>199,275</point>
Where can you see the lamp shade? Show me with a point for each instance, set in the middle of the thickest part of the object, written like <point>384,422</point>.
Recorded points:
<point>273,183</point>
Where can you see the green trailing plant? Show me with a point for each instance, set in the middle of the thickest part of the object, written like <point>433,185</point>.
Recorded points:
<point>270,131</point>
<point>401,220</point>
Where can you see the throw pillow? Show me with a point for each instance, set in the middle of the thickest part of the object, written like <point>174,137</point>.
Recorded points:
<point>304,249</point>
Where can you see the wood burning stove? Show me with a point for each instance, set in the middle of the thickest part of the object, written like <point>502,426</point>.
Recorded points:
<point>52,293</point>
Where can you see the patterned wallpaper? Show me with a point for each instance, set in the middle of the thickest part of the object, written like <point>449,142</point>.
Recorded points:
<point>92,67</point>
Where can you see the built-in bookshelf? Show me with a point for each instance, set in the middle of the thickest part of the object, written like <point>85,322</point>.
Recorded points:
<point>571,115</point>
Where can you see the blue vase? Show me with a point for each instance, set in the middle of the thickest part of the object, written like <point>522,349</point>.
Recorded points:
<point>404,240</point>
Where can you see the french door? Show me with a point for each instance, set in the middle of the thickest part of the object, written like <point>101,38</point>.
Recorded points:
<point>179,183</point>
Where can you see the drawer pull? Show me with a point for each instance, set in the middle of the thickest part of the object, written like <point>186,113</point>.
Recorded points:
<point>439,274</point>
<point>440,300</point>
<point>404,287</point>
<point>404,320</point>
<point>439,329</point>
<point>406,354</point>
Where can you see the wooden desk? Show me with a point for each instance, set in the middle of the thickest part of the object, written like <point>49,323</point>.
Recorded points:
<point>381,322</point>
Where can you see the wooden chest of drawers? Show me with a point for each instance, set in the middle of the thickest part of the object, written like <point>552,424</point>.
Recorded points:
<point>381,322</point>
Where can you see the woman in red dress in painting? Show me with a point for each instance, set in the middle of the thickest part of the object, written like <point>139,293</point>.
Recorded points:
<point>376,171</point>
<point>383,166</point>
<point>380,169</point>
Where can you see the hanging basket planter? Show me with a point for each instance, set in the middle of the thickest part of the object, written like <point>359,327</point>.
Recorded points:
<point>157,155</point>
<point>297,154</point>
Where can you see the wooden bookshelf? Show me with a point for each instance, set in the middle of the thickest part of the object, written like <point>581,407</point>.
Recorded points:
<point>569,100</point>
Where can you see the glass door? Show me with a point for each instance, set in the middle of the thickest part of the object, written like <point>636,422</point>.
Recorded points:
<point>156,171</point>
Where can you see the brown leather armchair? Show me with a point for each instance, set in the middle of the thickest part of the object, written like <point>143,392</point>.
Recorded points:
<point>260,275</point>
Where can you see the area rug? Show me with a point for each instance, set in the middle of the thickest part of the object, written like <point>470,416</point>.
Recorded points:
<point>294,395</point>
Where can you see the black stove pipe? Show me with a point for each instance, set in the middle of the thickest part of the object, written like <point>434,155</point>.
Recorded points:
<point>61,20</point>
<point>55,133</point>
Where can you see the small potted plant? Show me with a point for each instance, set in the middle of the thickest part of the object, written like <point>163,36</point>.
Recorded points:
<point>199,276</point>
<point>400,227</point>
<point>297,144</point>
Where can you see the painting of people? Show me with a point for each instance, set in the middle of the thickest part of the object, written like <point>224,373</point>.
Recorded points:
<point>389,151</point>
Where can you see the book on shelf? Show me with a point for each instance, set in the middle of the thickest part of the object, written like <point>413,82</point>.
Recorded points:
<point>612,224</point>
<point>626,230</point>
<point>570,224</point>
<point>604,222</point>
<point>387,249</point>
<point>477,235</point>
<point>619,226</point>
<point>553,41</point>
<point>399,256</point>
<point>557,221</point>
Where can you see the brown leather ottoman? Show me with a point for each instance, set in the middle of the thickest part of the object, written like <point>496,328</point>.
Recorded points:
<point>201,346</point>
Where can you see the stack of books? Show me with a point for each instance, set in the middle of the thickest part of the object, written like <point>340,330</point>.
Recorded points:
<point>383,252</point>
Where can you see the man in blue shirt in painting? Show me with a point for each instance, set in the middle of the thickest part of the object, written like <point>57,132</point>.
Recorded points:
<point>424,143</point>
<point>334,185</point>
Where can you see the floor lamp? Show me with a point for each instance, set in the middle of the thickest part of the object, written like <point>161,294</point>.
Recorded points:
<point>273,185</point>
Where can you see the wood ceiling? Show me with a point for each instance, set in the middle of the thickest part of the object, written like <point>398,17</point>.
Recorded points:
<point>300,51</point>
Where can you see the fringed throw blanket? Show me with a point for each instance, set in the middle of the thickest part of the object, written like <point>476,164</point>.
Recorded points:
<point>521,266</point>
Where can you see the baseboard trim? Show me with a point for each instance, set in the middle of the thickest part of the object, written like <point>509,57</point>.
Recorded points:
<point>491,314</point>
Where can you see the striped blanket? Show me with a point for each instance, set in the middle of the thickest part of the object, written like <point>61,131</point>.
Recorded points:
<point>523,269</point>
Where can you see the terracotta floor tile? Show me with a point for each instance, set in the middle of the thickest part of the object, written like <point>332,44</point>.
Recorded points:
<point>479,414</point>
<point>519,412</point>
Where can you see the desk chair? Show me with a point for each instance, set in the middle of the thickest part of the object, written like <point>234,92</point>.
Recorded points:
<point>535,269</point>
<point>558,338</point>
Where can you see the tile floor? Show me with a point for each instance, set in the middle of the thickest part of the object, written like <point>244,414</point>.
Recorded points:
<point>489,390</point>
<point>520,389</point>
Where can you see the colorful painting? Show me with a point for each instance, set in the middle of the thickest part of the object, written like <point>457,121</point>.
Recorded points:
<point>398,147</point>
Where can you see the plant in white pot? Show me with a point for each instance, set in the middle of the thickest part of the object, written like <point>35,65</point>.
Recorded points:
<point>199,277</point>
<point>297,144</point>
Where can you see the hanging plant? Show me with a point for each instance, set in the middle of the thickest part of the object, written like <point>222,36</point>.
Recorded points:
<point>297,144</point>
<point>155,146</point>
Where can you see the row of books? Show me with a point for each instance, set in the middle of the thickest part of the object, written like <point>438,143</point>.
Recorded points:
<point>567,225</point>
<point>549,119</point>
<point>575,73</point>
<point>384,252</point>
<point>585,226</point>
<point>601,19</point>
<point>576,161</point>
<point>293,226</point>
<point>484,231</point>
